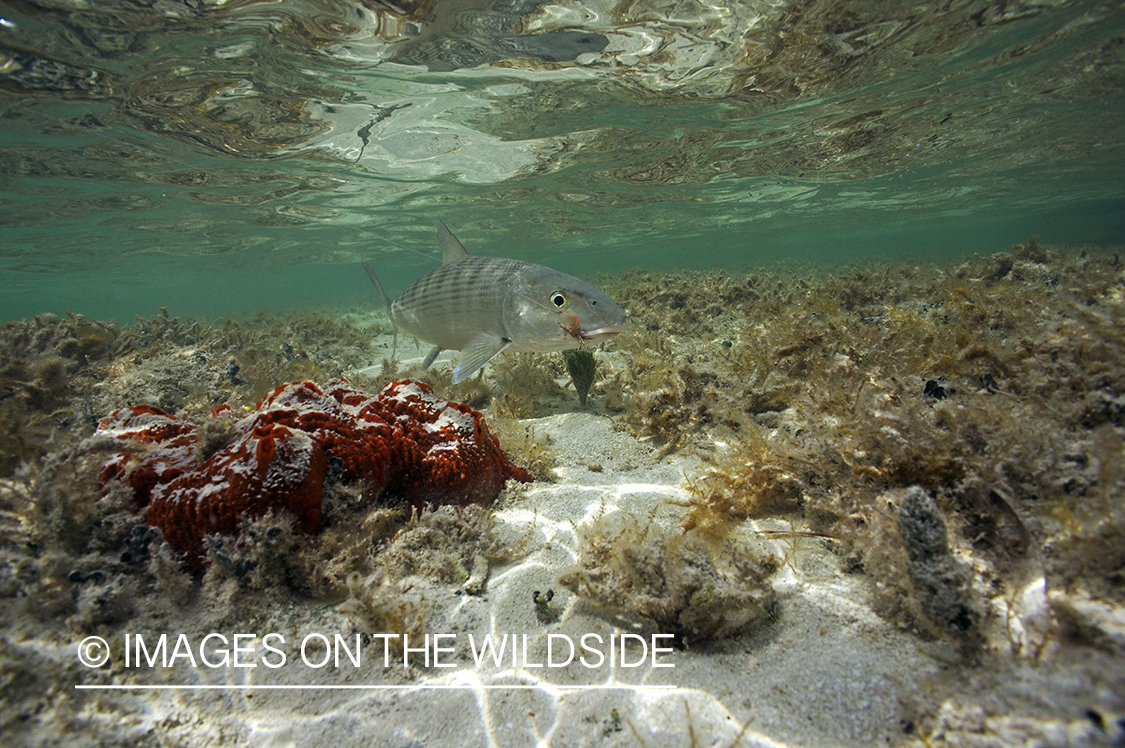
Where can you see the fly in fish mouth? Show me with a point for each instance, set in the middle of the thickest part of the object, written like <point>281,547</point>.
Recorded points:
<point>583,335</point>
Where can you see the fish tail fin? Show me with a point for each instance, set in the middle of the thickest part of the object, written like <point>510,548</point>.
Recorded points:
<point>386,300</point>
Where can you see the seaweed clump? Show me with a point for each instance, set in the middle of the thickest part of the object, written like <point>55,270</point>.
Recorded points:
<point>435,548</point>
<point>998,388</point>
<point>580,365</point>
<point>525,384</point>
<point>662,394</point>
<point>697,587</point>
<point>268,349</point>
<point>525,446</point>
<point>41,361</point>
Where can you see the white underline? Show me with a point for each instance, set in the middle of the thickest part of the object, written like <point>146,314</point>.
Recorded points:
<point>248,687</point>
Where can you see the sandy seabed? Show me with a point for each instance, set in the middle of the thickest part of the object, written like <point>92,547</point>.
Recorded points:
<point>822,661</point>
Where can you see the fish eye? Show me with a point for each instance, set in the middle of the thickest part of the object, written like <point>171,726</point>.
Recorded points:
<point>559,300</point>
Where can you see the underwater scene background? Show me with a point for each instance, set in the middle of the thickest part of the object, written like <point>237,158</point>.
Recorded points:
<point>859,454</point>
<point>220,157</point>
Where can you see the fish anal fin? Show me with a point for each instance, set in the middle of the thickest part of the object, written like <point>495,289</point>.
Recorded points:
<point>482,348</point>
<point>451,250</point>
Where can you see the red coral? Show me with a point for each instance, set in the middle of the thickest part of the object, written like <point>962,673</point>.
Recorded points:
<point>404,440</point>
<point>448,450</point>
<point>172,448</point>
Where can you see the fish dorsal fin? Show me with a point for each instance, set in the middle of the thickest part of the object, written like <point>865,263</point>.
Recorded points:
<point>451,250</point>
<point>481,349</point>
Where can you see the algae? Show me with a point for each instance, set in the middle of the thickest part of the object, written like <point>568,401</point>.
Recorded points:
<point>698,588</point>
<point>580,365</point>
<point>813,396</point>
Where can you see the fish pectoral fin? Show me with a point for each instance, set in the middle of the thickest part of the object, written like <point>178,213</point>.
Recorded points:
<point>429,359</point>
<point>481,349</point>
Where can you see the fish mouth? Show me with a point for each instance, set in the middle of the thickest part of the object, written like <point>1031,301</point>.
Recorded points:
<point>605,331</point>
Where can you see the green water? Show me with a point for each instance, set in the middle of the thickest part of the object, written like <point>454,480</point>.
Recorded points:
<point>217,160</point>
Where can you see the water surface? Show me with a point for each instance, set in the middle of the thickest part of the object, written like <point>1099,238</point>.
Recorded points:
<point>216,157</point>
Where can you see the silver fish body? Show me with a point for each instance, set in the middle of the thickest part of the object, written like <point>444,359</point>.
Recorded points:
<point>484,305</point>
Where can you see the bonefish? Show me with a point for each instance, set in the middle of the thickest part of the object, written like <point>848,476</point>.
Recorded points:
<point>484,305</point>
